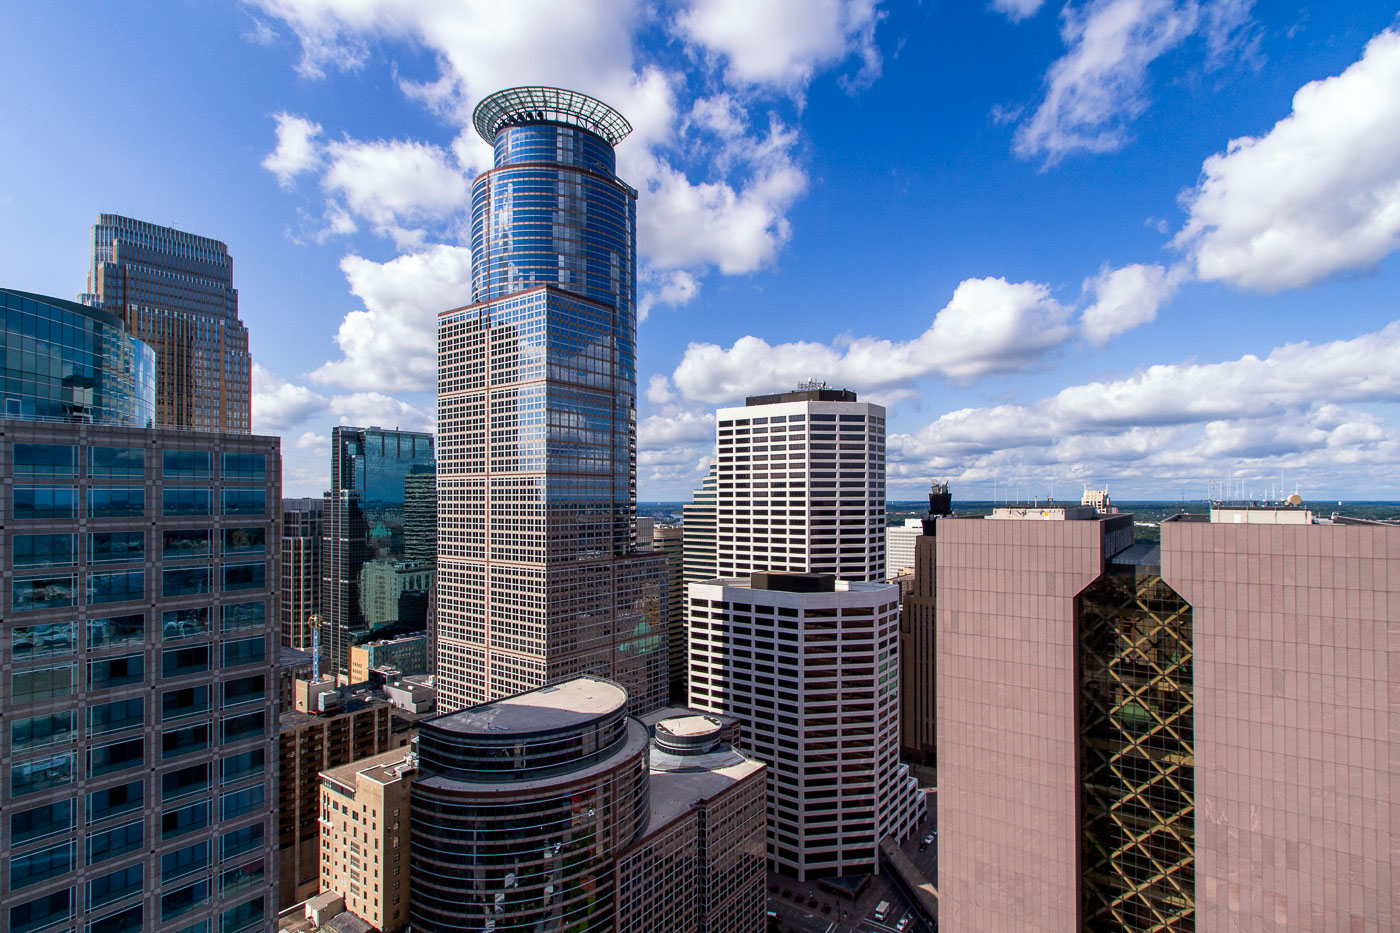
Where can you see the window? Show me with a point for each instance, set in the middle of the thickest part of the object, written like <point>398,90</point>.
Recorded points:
<point>184,741</point>
<point>114,801</point>
<point>242,501</point>
<point>244,690</point>
<point>38,731</point>
<point>240,841</point>
<point>185,500</point>
<point>182,543</point>
<point>187,701</point>
<point>50,639</point>
<point>128,921</point>
<point>245,540</point>
<point>45,460</point>
<point>45,820</point>
<point>43,550</point>
<point>183,861</point>
<point>244,616</point>
<point>30,777</point>
<point>184,623</point>
<point>186,464</point>
<point>43,592</point>
<point>243,917</point>
<point>128,462</point>
<point>115,672</point>
<point>244,876</point>
<point>42,683</point>
<point>240,802</point>
<point>116,501</point>
<point>245,576</point>
<point>108,759</point>
<point>116,716</point>
<point>246,651</point>
<point>183,900</point>
<point>184,581</point>
<point>44,502</point>
<point>245,466</point>
<point>246,726</point>
<point>245,764</point>
<point>117,587</point>
<point>42,912</point>
<point>183,820</point>
<point>111,547</point>
<point>33,867</point>
<point>113,842</point>
<point>119,884</point>
<point>177,662</point>
<point>116,631</point>
<point>182,783</point>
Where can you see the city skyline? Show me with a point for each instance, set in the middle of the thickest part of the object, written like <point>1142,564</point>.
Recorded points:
<point>946,210</point>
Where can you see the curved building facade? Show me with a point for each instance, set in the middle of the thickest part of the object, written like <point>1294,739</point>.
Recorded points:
<point>538,575</point>
<point>63,361</point>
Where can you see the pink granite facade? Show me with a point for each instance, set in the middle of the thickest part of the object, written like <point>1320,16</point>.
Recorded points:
<point>1007,735</point>
<point>1297,731</point>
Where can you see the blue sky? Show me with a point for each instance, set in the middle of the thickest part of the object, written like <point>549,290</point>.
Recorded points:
<point>1141,243</point>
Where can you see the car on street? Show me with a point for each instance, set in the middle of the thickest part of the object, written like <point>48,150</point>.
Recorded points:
<point>903,923</point>
<point>928,840</point>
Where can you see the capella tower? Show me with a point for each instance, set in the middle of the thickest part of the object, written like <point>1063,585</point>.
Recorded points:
<point>538,575</point>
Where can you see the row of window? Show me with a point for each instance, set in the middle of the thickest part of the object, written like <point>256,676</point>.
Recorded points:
<point>55,908</point>
<point>61,591</point>
<point>37,684</point>
<point>35,502</point>
<point>110,547</point>
<point>62,460</point>
<point>55,639</point>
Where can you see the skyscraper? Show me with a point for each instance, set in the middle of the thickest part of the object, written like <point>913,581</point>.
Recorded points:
<point>174,290</point>
<point>800,485</point>
<point>367,533</point>
<point>1188,736</point>
<point>138,644</point>
<point>539,579</point>
<point>918,696</point>
<point>301,571</point>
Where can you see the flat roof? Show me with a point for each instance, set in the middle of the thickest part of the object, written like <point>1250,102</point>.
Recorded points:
<point>544,709</point>
<point>379,768</point>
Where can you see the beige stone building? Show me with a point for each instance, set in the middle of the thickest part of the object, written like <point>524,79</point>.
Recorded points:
<point>364,837</point>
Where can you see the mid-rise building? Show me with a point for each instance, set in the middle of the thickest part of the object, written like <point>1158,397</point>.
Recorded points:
<point>899,546</point>
<point>174,291</point>
<point>698,531</point>
<point>539,578</point>
<point>554,810</point>
<point>395,592</point>
<point>406,655</point>
<point>365,517</point>
<point>918,680</point>
<point>326,728</point>
<point>138,644</point>
<point>809,665</point>
<point>1191,735</point>
<point>364,829</point>
<point>670,540</point>
<point>800,485</point>
<point>300,596</point>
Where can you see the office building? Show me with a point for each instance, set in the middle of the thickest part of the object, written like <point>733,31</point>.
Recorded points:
<point>1186,736</point>
<point>899,546</point>
<point>364,829</point>
<point>918,682</point>
<point>646,533</point>
<point>394,592</point>
<point>698,531</point>
<point>365,526</point>
<point>809,665</point>
<point>420,515</point>
<point>174,291</point>
<point>300,597</point>
<point>670,540</point>
<point>609,829</point>
<point>325,728</point>
<point>405,655</point>
<point>539,579</point>
<point>800,485</point>
<point>139,647</point>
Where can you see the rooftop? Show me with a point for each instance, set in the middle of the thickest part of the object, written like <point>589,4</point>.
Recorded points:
<point>385,768</point>
<point>519,105</point>
<point>803,395</point>
<point>546,709</point>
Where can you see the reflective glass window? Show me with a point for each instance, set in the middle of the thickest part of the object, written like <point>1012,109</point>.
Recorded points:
<point>243,917</point>
<point>176,662</point>
<point>116,501</point>
<point>240,841</point>
<point>110,547</point>
<point>49,639</point>
<point>42,683</point>
<point>244,501</point>
<point>177,742</point>
<point>117,587</point>
<point>242,877</point>
<point>186,781</point>
<point>116,631</point>
<point>180,543</point>
<point>245,467</point>
<point>126,921</point>
<point>246,726</point>
<point>244,616</point>
<point>182,862</point>
<point>184,581</point>
<point>114,801</point>
<point>43,502</point>
<point>40,865</point>
<point>186,500</point>
<point>252,576</point>
<point>245,651</point>
<point>43,550</point>
<point>239,802</point>
<point>43,911</point>
<point>49,592</point>
<point>244,690</point>
<point>104,718</point>
<point>121,883</point>
<point>183,900</point>
<point>117,756</point>
<point>36,774</point>
<point>184,623</point>
<point>45,460</point>
<point>245,540</point>
<point>44,820</point>
<point>180,820</point>
<point>117,461</point>
<point>186,701</point>
<point>245,764</point>
<point>115,672</point>
<point>47,729</point>
<point>186,464</point>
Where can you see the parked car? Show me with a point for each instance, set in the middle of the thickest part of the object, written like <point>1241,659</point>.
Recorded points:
<point>903,923</point>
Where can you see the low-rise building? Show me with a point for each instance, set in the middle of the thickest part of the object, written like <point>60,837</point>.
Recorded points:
<point>364,831</point>
<point>407,655</point>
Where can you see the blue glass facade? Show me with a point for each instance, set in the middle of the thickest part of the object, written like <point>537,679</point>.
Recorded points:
<point>538,578</point>
<point>62,361</point>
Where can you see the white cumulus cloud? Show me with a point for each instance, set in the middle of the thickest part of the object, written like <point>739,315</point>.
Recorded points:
<point>1126,298</point>
<point>297,151</point>
<point>278,404</point>
<point>1317,195</point>
<point>1017,10</point>
<point>392,183</point>
<point>380,410</point>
